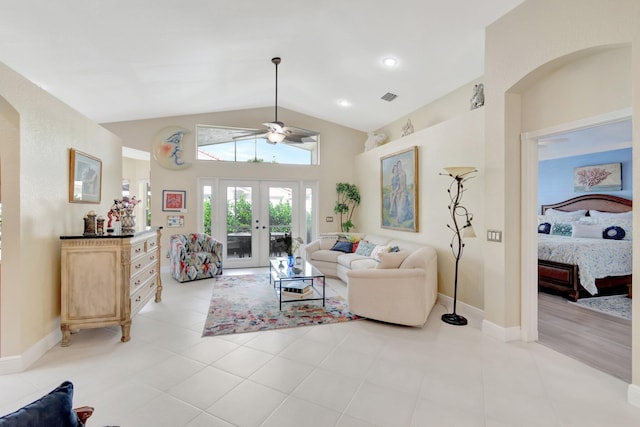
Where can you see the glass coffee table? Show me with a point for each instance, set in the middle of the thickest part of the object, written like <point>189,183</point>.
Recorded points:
<point>302,282</point>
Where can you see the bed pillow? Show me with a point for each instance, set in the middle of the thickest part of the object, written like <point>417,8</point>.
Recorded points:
<point>53,409</point>
<point>619,215</point>
<point>589,231</point>
<point>555,212</point>
<point>342,246</point>
<point>614,233</point>
<point>544,228</point>
<point>365,248</point>
<point>560,229</point>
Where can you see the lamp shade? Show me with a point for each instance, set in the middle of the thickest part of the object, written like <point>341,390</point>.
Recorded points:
<point>456,171</point>
<point>275,137</point>
<point>469,231</point>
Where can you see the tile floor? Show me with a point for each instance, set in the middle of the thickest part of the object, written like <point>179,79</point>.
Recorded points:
<point>355,374</point>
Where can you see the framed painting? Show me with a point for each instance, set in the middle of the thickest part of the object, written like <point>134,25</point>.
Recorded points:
<point>399,190</point>
<point>606,177</point>
<point>85,177</point>
<point>174,200</point>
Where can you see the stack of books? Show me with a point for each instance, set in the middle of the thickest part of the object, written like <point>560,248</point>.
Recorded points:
<point>297,291</point>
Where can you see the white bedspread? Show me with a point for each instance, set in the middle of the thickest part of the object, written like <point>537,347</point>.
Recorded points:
<point>595,258</point>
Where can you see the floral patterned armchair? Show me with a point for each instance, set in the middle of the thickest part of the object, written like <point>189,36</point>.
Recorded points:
<point>194,256</point>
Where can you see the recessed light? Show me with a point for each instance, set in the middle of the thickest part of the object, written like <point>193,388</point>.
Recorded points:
<point>344,103</point>
<point>390,61</point>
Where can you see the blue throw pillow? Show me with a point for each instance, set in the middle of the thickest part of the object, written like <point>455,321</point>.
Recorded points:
<point>561,229</point>
<point>614,233</point>
<point>53,409</point>
<point>342,246</point>
<point>544,228</point>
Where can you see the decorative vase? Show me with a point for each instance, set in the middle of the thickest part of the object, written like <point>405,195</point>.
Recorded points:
<point>128,223</point>
<point>291,261</point>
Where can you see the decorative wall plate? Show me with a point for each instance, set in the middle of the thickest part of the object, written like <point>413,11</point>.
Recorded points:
<point>167,148</point>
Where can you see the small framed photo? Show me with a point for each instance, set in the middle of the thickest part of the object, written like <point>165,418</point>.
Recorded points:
<point>174,200</point>
<point>175,221</point>
<point>85,177</point>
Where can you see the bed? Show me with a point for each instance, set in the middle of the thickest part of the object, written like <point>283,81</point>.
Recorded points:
<point>576,266</point>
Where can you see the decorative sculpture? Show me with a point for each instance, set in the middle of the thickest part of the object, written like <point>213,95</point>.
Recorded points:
<point>477,100</point>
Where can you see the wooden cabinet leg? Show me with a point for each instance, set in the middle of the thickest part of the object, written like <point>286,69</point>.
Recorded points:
<point>66,335</point>
<point>126,331</point>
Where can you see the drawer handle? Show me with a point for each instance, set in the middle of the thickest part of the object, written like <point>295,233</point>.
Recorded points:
<point>152,244</point>
<point>138,250</point>
<point>152,257</point>
<point>137,282</point>
<point>152,272</point>
<point>137,266</point>
<point>139,298</point>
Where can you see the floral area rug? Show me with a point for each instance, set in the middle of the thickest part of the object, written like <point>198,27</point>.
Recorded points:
<point>248,303</point>
<point>616,305</point>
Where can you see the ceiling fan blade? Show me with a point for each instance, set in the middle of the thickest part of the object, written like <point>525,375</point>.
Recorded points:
<point>299,131</point>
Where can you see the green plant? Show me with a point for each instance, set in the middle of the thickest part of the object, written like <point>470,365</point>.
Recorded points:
<point>348,199</point>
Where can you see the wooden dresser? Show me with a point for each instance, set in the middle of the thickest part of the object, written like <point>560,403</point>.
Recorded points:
<point>107,279</point>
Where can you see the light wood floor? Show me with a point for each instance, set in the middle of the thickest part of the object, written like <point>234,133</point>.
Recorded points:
<point>596,339</point>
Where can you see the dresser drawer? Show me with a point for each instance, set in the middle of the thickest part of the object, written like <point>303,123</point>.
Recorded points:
<point>151,244</point>
<point>137,249</point>
<point>143,295</point>
<point>141,263</point>
<point>149,273</point>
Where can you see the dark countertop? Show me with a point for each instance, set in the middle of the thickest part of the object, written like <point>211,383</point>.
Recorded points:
<point>112,235</point>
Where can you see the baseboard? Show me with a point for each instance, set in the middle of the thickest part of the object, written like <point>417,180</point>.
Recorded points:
<point>473,314</point>
<point>15,364</point>
<point>501,333</point>
<point>633,395</point>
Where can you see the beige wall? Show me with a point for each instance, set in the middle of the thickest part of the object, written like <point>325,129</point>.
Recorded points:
<point>530,42</point>
<point>449,106</point>
<point>36,211</point>
<point>338,147</point>
<point>458,141</point>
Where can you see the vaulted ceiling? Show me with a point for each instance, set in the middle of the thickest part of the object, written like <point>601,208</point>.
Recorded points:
<point>124,60</point>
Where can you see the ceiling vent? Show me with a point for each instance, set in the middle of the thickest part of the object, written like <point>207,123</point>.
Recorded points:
<point>389,96</point>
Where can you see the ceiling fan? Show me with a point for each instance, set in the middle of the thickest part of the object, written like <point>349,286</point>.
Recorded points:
<point>276,131</point>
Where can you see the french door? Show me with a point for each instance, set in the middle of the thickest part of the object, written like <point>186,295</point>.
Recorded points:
<point>251,218</point>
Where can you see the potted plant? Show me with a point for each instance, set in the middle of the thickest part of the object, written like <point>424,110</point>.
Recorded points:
<point>348,199</point>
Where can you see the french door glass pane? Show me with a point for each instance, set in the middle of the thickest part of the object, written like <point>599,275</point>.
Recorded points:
<point>239,214</point>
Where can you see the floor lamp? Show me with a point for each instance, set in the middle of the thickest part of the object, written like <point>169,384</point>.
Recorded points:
<point>460,174</point>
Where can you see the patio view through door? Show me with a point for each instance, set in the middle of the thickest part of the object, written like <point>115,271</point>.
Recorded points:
<point>257,214</point>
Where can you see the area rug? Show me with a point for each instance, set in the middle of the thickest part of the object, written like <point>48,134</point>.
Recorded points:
<point>248,303</point>
<point>616,305</point>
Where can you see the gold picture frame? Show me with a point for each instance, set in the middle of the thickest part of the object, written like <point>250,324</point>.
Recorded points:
<point>399,190</point>
<point>85,177</point>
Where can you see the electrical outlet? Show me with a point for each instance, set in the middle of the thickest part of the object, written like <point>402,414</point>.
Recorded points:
<point>494,235</point>
<point>329,219</point>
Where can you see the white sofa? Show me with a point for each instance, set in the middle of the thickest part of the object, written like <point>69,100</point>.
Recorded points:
<point>402,294</point>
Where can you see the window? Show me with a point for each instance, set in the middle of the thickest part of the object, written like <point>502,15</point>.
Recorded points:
<point>218,144</point>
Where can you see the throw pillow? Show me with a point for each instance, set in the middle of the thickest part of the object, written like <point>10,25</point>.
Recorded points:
<point>614,233</point>
<point>560,229</point>
<point>53,409</point>
<point>377,250</point>
<point>544,228</point>
<point>587,231</point>
<point>365,248</point>
<point>354,247</point>
<point>392,259</point>
<point>342,246</point>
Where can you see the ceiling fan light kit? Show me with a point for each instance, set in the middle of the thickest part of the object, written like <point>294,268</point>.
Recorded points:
<point>276,130</point>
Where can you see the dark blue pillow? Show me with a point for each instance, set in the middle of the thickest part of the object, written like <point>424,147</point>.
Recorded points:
<point>544,228</point>
<point>343,246</point>
<point>53,409</point>
<point>614,233</point>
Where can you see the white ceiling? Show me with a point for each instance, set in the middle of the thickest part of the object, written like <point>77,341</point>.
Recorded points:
<point>124,60</point>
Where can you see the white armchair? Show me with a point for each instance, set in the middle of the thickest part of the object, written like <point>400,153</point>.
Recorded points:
<point>403,295</point>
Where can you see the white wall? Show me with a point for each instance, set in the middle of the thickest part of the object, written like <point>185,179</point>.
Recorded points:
<point>36,208</point>
<point>338,147</point>
<point>458,141</point>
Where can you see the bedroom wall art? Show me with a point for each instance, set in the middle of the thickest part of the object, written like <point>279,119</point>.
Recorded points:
<point>605,177</point>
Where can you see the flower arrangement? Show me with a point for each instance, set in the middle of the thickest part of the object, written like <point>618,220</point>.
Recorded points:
<point>121,207</point>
